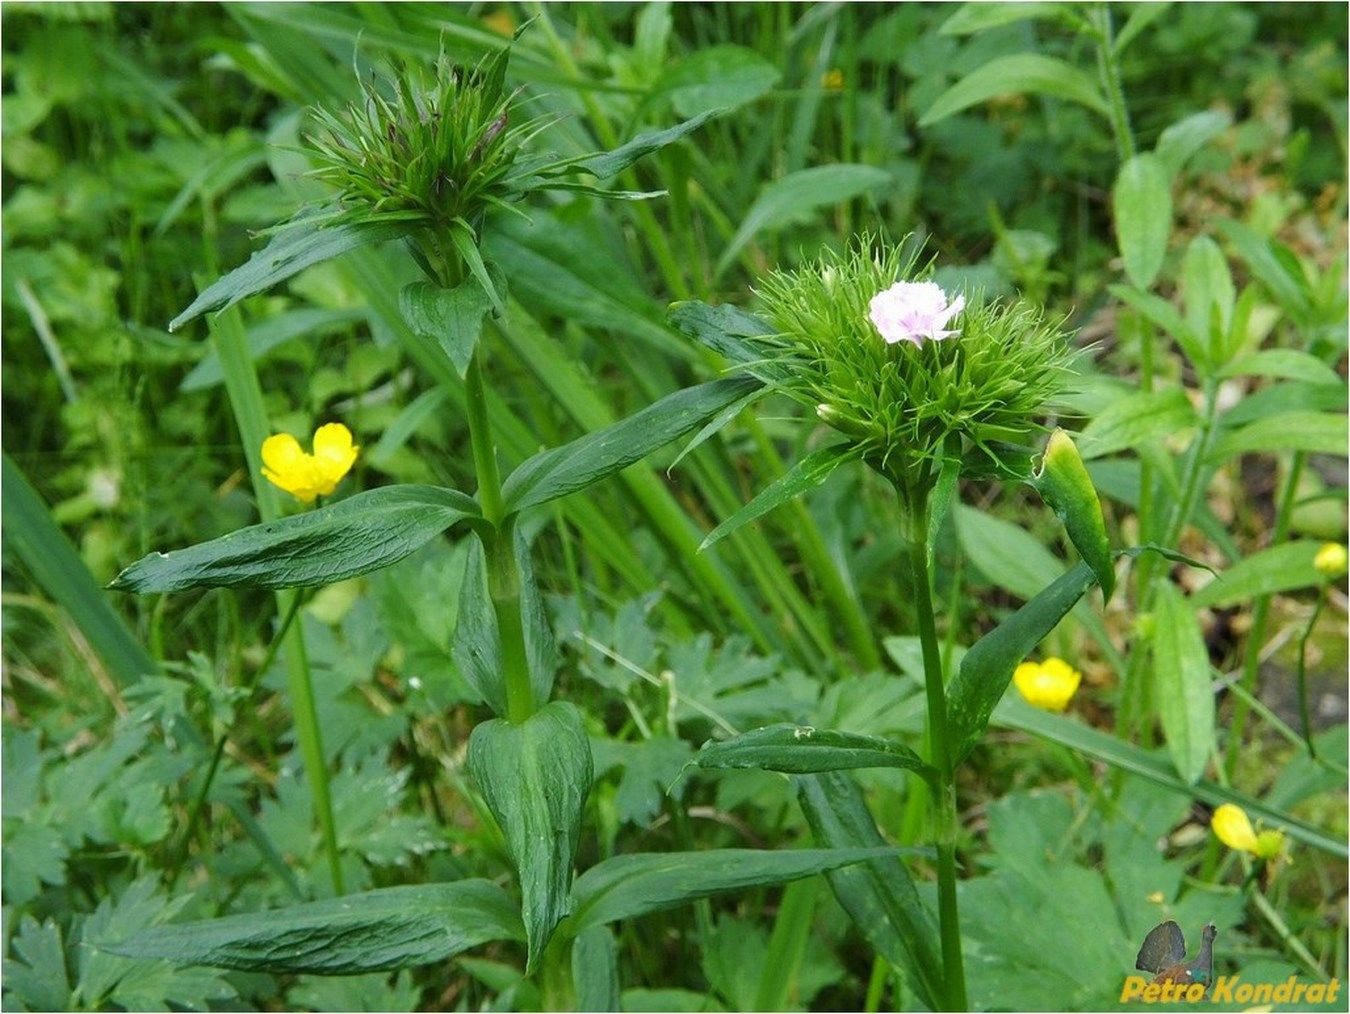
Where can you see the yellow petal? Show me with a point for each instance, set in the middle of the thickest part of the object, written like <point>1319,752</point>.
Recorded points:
<point>281,452</point>
<point>288,467</point>
<point>334,454</point>
<point>1331,559</point>
<point>1233,828</point>
<point>1049,685</point>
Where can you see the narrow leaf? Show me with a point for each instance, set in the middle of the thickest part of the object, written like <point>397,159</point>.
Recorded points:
<point>1141,201</point>
<point>394,927</point>
<point>1287,364</point>
<point>724,329</point>
<point>1188,135</point>
<point>1136,420</point>
<point>610,163</point>
<point>1313,432</point>
<point>978,17</point>
<point>534,777</point>
<point>300,245</point>
<point>806,474</point>
<point>1274,265</point>
<point>1063,482</point>
<point>626,886</point>
<point>1278,569</point>
<point>722,77</point>
<point>589,459</point>
<point>359,534</point>
<point>801,749</point>
<point>1184,693</point>
<point>1166,316</point>
<point>467,245</point>
<point>595,970</point>
<point>1010,75</point>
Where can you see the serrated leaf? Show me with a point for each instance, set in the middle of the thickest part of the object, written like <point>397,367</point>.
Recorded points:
<point>801,749</point>
<point>806,474</point>
<point>1063,482</point>
<point>1184,692</point>
<point>627,886</point>
<point>354,536</point>
<point>587,460</point>
<point>393,927</point>
<point>1278,569</point>
<point>534,777</point>
<point>1011,75</point>
<point>452,318</point>
<point>722,77</point>
<point>798,194</point>
<point>300,245</point>
<point>36,975</point>
<point>1141,202</point>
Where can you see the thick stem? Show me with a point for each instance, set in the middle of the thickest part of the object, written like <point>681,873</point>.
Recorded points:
<point>944,795</point>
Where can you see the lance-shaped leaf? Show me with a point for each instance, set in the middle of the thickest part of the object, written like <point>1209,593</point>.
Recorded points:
<point>359,534</point>
<point>1021,72</point>
<point>1278,569</point>
<point>806,474</point>
<point>394,927</point>
<point>1182,685</point>
<point>586,460</point>
<point>607,164</point>
<point>801,749</point>
<point>725,329</point>
<point>1063,482</point>
<point>534,777</point>
<point>452,318</point>
<point>623,887</point>
<point>595,970</point>
<point>1141,202</point>
<point>299,245</point>
<point>878,895</point>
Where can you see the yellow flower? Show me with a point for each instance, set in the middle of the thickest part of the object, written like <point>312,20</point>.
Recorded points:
<point>1050,684</point>
<point>1234,829</point>
<point>1331,559</point>
<point>306,476</point>
<point>833,80</point>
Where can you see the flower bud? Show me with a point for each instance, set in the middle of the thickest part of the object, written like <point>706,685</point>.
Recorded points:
<point>1331,560</point>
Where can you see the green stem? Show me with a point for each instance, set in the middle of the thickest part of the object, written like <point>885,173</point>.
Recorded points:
<point>1305,715</point>
<point>1110,75</point>
<point>944,795</point>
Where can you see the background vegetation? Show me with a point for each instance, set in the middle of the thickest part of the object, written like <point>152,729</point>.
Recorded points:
<point>142,144</point>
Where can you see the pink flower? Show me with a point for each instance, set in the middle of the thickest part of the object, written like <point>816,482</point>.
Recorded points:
<point>913,311</point>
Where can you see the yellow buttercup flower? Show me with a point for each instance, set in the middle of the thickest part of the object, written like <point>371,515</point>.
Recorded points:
<point>1049,685</point>
<point>1331,560</point>
<point>832,80</point>
<point>1234,829</point>
<point>303,475</point>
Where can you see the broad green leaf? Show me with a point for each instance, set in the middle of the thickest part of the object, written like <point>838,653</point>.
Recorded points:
<point>1288,364</point>
<point>534,777</point>
<point>608,164</point>
<point>806,474</point>
<point>1166,316</point>
<point>452,318</point>
<point>978,17</point>
<point>1274,266</point>
<point>1141,202</point>
<point>1063,482</point>
<point>1005,553</point>
<point>595,970</point>
<point>626,886</point>
<point>1183,691</point>
<point>1209,296</point>
<point>1014,713</point>
<point>1277,569</point>
<point>796,195</point>
<point>1010,75</point>
<point>1313,432</point>
<point>724,329</point>
<point>878,895</point>
<point>1188,135</point>
<point>354,536</point>
<point>801,749</point>
<point>1136,420</point>
<point>598,455</point>
<point>393,927</point>
<point>300,245</point>
<point>717,78</point>
<point>988,665</point>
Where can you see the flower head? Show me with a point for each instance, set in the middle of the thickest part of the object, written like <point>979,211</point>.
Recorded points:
<point>1232,827</point>
<point>1049,685</point>
<point>914,312</point>
<point>305,476</point>
<point>1331,560</point>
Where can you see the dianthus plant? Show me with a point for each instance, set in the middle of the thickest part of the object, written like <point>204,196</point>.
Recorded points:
<point>923,385</point>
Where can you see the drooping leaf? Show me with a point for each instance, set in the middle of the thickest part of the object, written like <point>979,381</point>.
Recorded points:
<point>806,474</point>
<point>1141,202</point>
<point>589,459</point>
<point>1278,569</point>
<point>797,194</point>
<point>1063,482</point>
<point>355,536</point>
<point>721,77</point>
<point>300,245</point>
<point>1184,692</point>
<point>878,895</point>
<point>452,318</point>
<point>626,886</point>
<point>1010,75</point>
<point>801,749</point>
<point>394,927</point>
<point>534,777</point>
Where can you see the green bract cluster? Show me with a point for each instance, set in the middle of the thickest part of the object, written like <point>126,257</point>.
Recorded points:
<point>910,405</point>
